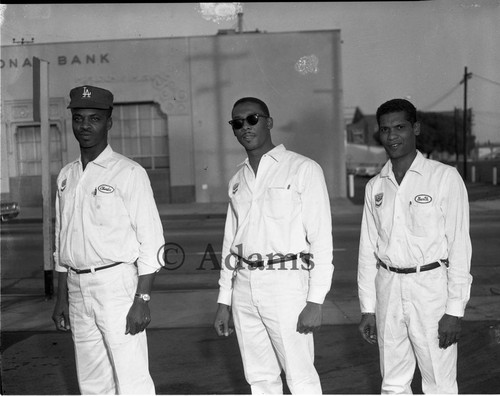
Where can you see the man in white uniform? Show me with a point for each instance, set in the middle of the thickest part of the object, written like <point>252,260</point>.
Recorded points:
<point>414,259</point>
<point>276,257</point>
<point>107,236</point>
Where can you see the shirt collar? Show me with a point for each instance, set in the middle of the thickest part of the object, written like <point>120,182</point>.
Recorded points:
<point>418,166</point>
<point>276,153</point>
<point>102,159</point>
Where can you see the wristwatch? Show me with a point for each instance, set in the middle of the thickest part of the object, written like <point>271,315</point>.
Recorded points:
<point>144,297</point>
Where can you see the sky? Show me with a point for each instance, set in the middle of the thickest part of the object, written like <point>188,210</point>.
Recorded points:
<point>412,49</point>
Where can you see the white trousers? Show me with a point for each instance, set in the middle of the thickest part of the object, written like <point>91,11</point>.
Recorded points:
<point>409,307</point>
<point>266,306</point>
<point>107,360</point>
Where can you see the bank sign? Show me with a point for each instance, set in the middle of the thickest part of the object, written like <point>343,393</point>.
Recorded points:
<point>61,60</point>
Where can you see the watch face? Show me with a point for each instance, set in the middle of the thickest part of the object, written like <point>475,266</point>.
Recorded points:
<point>144,297</point>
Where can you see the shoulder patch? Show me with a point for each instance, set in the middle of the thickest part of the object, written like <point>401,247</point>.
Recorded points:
<point>235,187</point>
<point>378,199</point>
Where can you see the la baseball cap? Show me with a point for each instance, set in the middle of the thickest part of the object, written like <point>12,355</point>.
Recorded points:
<point>89,97</point>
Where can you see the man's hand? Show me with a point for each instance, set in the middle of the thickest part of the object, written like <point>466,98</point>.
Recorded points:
<point>449,330</point>
<point>138,317</point>
<point>60,316</point>
<point>368,328</point>
<point>221,322</point>
<point>310,318</point>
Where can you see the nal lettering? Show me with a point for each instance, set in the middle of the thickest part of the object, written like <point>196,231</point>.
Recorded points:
<point>63,60</point>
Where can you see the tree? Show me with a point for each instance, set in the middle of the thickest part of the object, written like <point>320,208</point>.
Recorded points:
<point>444,132</point>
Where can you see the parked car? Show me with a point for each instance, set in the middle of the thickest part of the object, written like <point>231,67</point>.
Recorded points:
<point>9,210</point>
<point>365,169</point>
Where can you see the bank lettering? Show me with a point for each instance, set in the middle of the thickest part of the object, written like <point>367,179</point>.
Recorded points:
<point>62,60</point>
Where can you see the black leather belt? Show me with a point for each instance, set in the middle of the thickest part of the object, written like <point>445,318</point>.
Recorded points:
<point>89,270</point>
<point>412,270</point>
<point>262,263</point>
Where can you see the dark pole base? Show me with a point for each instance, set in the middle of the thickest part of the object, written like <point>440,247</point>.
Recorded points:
<point>49,284</point>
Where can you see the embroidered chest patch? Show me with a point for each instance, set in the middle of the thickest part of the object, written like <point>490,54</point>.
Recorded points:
<point>105,188</point>
<point>423,199</point>
<point>378,199</point>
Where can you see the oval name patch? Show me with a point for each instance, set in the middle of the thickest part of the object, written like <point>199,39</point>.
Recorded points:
<point>423,198</point>
<point>104,188</point>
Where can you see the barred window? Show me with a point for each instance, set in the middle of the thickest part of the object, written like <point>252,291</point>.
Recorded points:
<point>29,150</point>
<point>140,132</point>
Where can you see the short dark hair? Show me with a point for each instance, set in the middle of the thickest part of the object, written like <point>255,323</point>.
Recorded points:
<point>397,105</point>
<point>246,99</point>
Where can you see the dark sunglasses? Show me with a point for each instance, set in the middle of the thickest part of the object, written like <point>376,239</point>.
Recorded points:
<point>252,119</point>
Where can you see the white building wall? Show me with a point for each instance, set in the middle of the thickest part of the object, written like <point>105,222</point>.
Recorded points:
<point>195,81</point>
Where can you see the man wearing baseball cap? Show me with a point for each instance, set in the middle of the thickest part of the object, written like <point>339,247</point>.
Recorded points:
<point>107,236</point>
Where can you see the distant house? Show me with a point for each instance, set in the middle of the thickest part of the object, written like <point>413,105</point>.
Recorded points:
<point>364,155</point>
<point>362,128</point>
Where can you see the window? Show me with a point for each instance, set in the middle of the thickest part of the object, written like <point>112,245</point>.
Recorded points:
<point>140,132</point>
<point>29,150</point>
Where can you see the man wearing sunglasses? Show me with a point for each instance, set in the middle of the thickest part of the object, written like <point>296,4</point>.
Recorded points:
<point>276,257</point>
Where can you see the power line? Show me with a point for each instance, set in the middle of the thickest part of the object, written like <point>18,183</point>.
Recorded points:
<point>442,97</point>
<point>452,90</point>
<point>486,79</point>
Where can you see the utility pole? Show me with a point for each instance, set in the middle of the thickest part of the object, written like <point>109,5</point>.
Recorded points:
<point>41,115</point>
<point>455,130</point>
<point>466,77</point>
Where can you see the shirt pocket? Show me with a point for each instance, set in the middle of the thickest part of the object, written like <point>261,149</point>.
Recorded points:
<point>424,220</point>
<point>106,208</point>
<point>279,203</point>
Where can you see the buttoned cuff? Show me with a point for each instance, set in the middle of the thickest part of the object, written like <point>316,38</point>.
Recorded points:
<point>367,307</point>
<point>455,308</point>
<point>59,268</point>
<point>225,297</point>
<point>316,296</point>
<point>144,269</point>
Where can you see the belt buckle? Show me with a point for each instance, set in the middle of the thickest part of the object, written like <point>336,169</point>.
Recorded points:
<point>256,264</point>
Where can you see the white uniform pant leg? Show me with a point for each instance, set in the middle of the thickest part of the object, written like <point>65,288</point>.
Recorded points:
<point>409,307</point>
<point>397,360</point>
<point>437,366</point>
<point>260,364</point>
<point>93,367</point>
<point>279,296</point>
<point>111,296</point>
<point>280,313</point>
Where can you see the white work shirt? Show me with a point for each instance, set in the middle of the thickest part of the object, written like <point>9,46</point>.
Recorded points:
<point>106,214</point>
<point>421,221</point>
<point>284,209</point>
